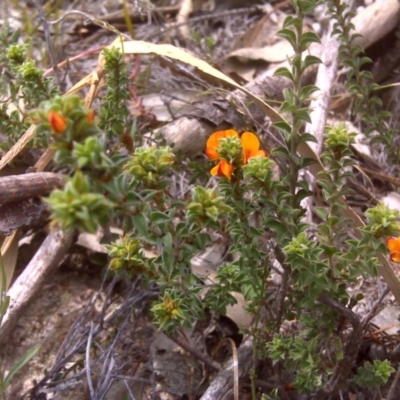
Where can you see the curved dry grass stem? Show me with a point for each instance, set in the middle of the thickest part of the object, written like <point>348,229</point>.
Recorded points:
<point>234,366</point>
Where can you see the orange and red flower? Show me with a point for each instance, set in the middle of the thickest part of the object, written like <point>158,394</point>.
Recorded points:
<point>223,168</point>
<point>393,245</point>
<point>91,116</point>
<point>250,146</point>
<point>57,122</point>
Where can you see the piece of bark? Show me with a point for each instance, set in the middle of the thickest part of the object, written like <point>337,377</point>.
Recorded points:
<point>376,21</point>
<point>30,213</point>
<point>28,284</point>
<point>26,186</point>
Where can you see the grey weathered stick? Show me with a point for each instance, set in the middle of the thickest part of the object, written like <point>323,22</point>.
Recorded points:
<point>319,106</point>
<point>325,79</point>
<point>28,284</point>
<point>15,188</point>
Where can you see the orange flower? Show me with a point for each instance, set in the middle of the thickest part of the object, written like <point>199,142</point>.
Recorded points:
<point>213,142</point>
<point>91,115</point>
<point>223,168</point>
<point>251,147</point>
<point>57,122</point>
<point>393,245</point>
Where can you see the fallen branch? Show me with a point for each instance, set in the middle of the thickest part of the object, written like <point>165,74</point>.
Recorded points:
<point>15,188</point>
<point>28,284</point>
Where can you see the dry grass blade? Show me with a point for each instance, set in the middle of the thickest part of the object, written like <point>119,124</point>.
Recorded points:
<point>235,369</point>
<point>235,365</point>
<point>8,255</point>
<point>18,147</point>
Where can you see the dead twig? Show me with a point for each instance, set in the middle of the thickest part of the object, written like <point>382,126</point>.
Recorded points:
<point>326,76</point>
<point>372,312</point>
<point>344,366</point>
<point>21,293</point>
<point>391,394</point>
<point>49,42</point>
<point>182,18</point>
<point>15,188</point>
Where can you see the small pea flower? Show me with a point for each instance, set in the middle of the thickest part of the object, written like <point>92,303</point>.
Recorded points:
<point>91,116</point>
<point>224,168</point>
<point>251,147</point>
<point>393,245</point>
<point>232,151</point>
<point>57,123</point>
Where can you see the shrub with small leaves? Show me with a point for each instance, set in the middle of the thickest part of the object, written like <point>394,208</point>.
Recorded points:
<point>77,207</point>
<point>373,375</point>
<point>293,275</point>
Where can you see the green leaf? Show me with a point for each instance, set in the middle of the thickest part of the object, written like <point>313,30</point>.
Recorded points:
<point>4,299</point>
<point>297,23</point>
<point>158,217</point>
<point>301,195</point>
<point>280,151</point>
<point>310,60</point>
<point>307,39</point>
<point>289,96</point>
<point>21,362</point>
<point>287,107</point>
<point>306,91</point>
<point>289,35</point>
<point>303,114</point>
<point>307,6</point>
<point>288,21</point>
<point>321,212</point>
<point>283,127</point>
<point>305,162</point>
<point>275,226</point>
<point>307,137</point>
<point>202,240</point>
<point>283,71</point>
<point>365,60</point>
<point>139,221</point>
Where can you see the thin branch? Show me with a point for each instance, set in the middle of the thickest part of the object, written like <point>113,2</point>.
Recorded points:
<point>49,42</point>
<point>344,366</point>
<point>391,394</point>
<point>201,356</point>
<point>87,356</point>
<point>372,312</point>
